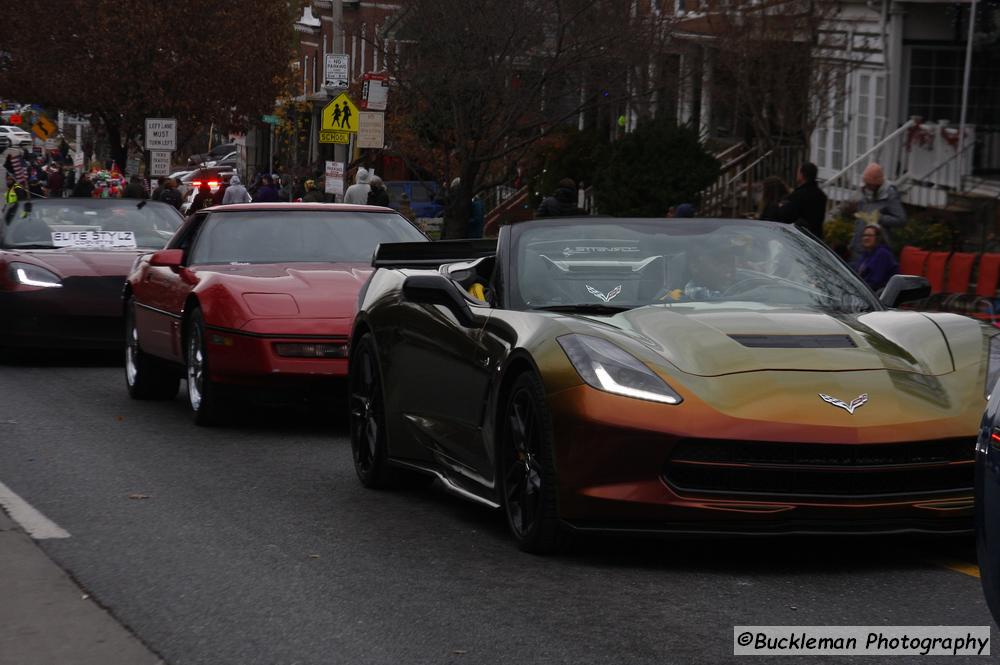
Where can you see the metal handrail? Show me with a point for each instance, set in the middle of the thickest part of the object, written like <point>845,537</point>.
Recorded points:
<point>878,146</point>
<point>749,166</point>
<point>937,167</point>
<point>725,153</point>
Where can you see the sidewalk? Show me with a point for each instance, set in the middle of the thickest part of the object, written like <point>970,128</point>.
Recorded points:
<point>46,619</point>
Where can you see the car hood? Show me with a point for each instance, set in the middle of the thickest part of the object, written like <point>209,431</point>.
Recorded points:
<point>727,341</point>
<point>303,290</point>
<point>79,262</point>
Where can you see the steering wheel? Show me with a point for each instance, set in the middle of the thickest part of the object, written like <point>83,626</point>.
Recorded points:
<point>735,288</point>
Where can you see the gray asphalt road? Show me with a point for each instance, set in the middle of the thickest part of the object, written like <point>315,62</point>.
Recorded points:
<point>256,544</point>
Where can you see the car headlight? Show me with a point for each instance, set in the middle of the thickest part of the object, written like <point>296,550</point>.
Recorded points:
<point>606,367</point>
<point>29,275</point>
<point>993,365</point>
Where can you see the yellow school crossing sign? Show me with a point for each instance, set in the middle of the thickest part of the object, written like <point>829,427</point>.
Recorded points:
<point>340,120</point>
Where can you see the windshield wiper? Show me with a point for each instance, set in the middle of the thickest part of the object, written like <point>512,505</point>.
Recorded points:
<point>586,308</point>
<point>30,246</point>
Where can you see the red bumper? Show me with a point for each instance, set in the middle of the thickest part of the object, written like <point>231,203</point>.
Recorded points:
<point>252,360</point>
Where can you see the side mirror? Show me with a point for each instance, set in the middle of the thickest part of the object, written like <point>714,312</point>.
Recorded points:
<point>904,288</point>
<point>167,258</point>
<point>436,289</point>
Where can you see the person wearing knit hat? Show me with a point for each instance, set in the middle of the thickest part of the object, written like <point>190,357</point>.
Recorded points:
<point>312,194</point>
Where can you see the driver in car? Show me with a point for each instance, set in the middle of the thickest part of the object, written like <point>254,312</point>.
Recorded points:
<point>710,274</point>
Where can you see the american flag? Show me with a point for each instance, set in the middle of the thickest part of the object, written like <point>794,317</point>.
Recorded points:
<point>20,173</point>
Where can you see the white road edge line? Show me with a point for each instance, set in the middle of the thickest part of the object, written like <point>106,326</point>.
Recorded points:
<point>39,526</point>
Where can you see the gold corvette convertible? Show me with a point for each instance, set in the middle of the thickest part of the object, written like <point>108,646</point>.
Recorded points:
<point>665,376</point>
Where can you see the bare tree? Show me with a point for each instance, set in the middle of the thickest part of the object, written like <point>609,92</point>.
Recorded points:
<point>478,84</point>
<point>774,66</point>
<point>123,61</point>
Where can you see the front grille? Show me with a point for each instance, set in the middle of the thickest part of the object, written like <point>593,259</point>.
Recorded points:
<point>811,470</point>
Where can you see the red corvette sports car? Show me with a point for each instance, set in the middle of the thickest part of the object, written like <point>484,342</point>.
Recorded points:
<point>251,296</point>
<point>63,264</point>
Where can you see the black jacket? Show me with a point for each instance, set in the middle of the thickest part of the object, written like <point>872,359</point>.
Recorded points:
<point>134,191</point>
<point>561,204</point>
<point>805,206</point>
<point>377,196</point>
<point>171,197</point>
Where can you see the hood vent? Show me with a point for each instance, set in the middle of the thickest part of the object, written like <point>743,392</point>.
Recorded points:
<point>795,341</point>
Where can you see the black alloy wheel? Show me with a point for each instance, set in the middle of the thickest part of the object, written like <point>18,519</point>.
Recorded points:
<point>367,416</point>
<point>206,398</point>
<point>526,468</point>
<point>146,377</point>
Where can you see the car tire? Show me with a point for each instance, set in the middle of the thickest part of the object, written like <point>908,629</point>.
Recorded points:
<point>526,468</point>
<point>146,377</point>
<point>206,397</point>
<point>369,446</point>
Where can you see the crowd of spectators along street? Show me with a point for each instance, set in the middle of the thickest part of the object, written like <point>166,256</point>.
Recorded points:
<point>874,213</point>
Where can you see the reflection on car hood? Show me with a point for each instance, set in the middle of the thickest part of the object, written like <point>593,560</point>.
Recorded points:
<point>79,262</point>
<point>319,290</point>
<point>717,342</point>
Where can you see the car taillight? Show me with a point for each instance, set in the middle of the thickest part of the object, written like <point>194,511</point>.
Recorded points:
<point>196,183</point>
<point>213,183</point>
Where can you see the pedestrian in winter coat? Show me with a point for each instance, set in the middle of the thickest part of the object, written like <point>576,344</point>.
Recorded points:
<point>267,193</point>
<point>357,193</point>
<point>477,218</point>
<point>377,194</point>
<point>134,189</point>
<point>160,186</point>
<point>202,199</point>
<point>236,193</point>
<point>562,202</point>
<point>55,184</point>
<point>878,204</point>
<point>773,192</point>
<point>404,207</point>
<point>170,195</point>
<point>286,193</point>
<point>877,262</point>
<point>806,205</point>
<point>312,195</point>
<point>83,187</point>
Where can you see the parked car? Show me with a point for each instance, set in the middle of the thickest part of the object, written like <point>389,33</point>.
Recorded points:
<point>12,136</point>
<point>63,264</point>
<point>988,487</point>
<point>226,161</point>
<point>421,193</point>
<point>215,153</point>
<point>252,296</point>
<point>702,376</point>
<point>213,177</point>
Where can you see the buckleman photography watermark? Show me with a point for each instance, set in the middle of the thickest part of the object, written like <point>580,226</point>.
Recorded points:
<point>861,640</point>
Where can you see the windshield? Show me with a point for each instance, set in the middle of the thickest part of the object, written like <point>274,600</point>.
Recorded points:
<point>696,264</point>
<point>292,236</point>
<point>82,223</point>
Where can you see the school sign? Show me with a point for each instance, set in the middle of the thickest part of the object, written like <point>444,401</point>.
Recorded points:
<point>339,120</point>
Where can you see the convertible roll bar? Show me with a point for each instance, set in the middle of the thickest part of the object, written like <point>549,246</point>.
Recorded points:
<point>431,254</point>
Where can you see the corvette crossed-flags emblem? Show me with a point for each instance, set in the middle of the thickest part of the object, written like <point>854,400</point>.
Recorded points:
<point>850,407</point>
<point>606,298</point>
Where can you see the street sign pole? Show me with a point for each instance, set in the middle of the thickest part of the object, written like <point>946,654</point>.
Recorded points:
<point>79,149</point>
<point>270,154</point>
